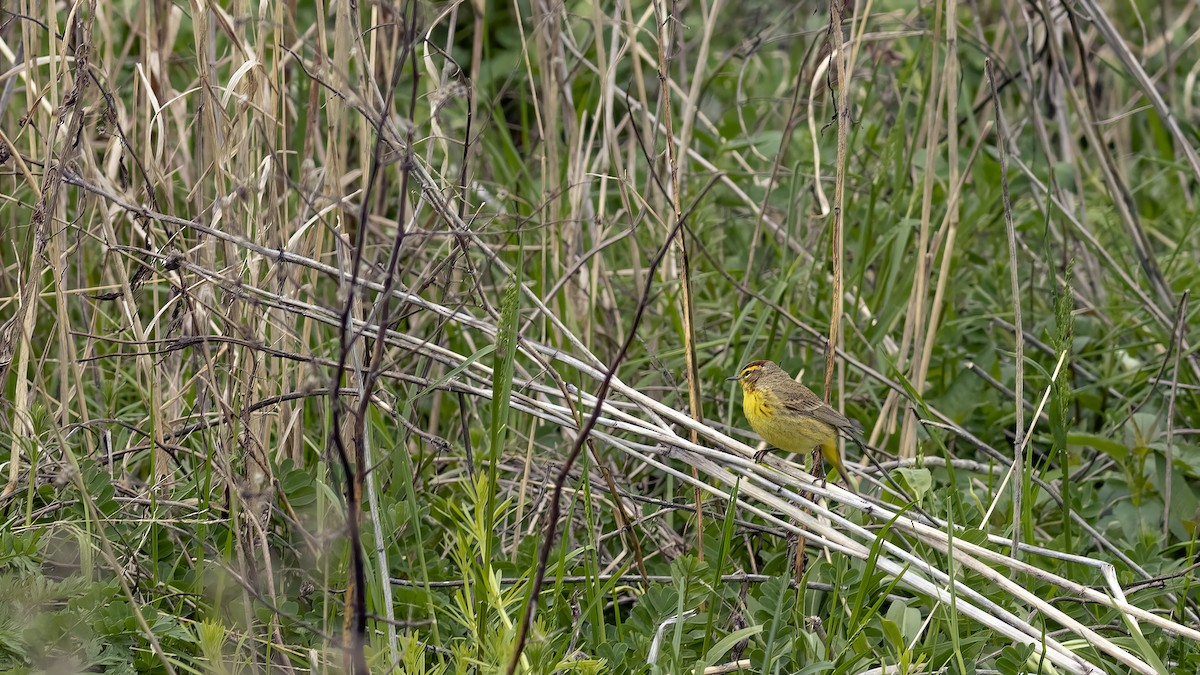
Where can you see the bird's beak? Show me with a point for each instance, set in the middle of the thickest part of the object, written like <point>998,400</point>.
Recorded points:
<point>735,377</point>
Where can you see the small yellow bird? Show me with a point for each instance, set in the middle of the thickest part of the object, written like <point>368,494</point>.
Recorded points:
<point>792,418</point>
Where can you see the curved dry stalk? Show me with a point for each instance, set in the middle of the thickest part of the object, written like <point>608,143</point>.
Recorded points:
<point>780,487</point>
<point>644,430</point>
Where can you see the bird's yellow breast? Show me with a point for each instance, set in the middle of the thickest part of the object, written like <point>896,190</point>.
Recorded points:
<point>781,428</point>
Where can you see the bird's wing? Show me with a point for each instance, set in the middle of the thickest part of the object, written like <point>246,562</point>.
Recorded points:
<point>823,412</point>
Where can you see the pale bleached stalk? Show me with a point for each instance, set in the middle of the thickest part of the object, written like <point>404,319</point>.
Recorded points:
<point>950,219</point>
<point>838,254</point>
<point>676,170</point>
<point>722,461</point>
<point>562,416</point>
<point>913,338</point>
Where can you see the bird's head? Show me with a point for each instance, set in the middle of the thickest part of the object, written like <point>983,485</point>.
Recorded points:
<point>752,372</point>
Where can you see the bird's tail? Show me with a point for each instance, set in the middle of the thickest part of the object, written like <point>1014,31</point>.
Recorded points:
<point>834,458</point>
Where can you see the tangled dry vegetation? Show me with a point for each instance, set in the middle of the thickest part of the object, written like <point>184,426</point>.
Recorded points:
<point>392,336</point>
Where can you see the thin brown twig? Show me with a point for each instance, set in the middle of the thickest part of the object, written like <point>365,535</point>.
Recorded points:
<point>355,472</point>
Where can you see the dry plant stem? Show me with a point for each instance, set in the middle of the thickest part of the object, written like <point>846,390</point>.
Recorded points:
<point>838,252</point>
<point>803,481</point>
<point>648,404</point>
<point>46,215</point>
<point>705,450</point>
<point>629,579</point>
<point>356,610</point>
<point>382,309</point>
<point>912,336</point>
<point>547,113</point>
<point>675,171</point>
<point>777,230</point>
<point>832,492</point>
<point>1169,459</point>
<point>1019,360</point>
<point>63,146</point>
<point>839,197</point>
<point>555,498</point>
<point>912,574</point>
<point>691,104</point>
<point>651,407</point>
<point>940,539</point>
<point>1037,414</point>
<point>948,231</point>
<point>814,85</point>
